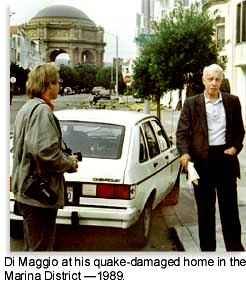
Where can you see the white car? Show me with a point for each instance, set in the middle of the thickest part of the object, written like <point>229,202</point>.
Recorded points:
<point>128,167</point>
<point>68,91</point>
<point>101,92</point>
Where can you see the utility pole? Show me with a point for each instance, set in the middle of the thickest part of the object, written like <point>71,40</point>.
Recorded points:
<point>116,60</point>
<point>112,78</point>
<point>146,14</point>
<point>117,69</point>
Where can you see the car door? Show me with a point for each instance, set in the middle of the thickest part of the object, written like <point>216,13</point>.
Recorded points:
<point>155,162</point>
<point>166,157</point>
<point>168,151</point>
<point>160,155</point>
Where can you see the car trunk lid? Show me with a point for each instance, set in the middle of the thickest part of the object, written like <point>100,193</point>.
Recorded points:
<point>98,170</point>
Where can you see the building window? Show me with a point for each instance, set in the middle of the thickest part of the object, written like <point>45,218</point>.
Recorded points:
<point>220,32</point>
<point>220,36</point>
<point>186,3</point>
<point>241,22</point>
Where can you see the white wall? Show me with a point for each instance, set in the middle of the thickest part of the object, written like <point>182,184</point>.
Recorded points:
<point>241,89</point>
<point>236,65</point>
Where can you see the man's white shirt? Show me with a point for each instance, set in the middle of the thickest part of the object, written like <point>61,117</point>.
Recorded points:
<point>216,120</point>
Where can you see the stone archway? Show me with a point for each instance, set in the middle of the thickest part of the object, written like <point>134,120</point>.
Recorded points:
<point>53,54</point>
<point>76,56</point>
<point>87,57</point>
<point>66,29</point>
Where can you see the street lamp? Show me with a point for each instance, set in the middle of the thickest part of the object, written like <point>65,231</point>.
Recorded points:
<point>116,64</point>
<point>117,69</point>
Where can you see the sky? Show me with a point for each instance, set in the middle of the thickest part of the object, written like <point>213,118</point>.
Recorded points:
<point>115,16</point>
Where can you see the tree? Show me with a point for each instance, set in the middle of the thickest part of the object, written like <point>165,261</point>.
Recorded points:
<point>69,76</point>
<point>86,76</point>
<point>103,77</point>
<point>21,77</point>
<point>181,45</point>
<point>180,48</point>
<point>143,81</point>
<point>121,84</point>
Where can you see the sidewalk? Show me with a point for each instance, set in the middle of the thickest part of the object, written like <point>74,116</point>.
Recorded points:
<point>182,218</point>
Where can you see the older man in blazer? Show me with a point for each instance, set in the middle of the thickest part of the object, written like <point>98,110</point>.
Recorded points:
<point>210,133</point>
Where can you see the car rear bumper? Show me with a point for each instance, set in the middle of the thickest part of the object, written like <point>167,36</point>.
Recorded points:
<point>97,216</point>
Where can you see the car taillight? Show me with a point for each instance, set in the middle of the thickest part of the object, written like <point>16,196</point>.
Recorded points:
<point>114,191</point>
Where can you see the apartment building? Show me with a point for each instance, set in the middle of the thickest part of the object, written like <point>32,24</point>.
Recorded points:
<point>230,37</point>
<point>24,51</point>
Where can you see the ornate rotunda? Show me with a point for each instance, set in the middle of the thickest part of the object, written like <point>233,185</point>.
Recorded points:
<point>64,29</point>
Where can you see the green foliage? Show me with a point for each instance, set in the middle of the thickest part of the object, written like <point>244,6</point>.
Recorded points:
<point>87,76</point>
<point>184,45</point>
<point>79,77</point>
<point>69,76</point>
<point>121,84</point>
<point>143,39</point>
<point>144,83</point>
<point>103,77</point>
<point>84,76</point>
<point>21,77</point>
<point>180,48</point>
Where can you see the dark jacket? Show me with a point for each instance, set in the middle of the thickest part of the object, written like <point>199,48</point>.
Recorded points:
<point>192,131</point>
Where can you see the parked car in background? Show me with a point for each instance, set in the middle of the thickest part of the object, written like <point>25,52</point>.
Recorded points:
<point>129,166</point>
<point>101,92</point>
<point>68,91</point>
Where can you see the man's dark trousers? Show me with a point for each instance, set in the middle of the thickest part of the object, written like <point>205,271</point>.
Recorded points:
<point>216,176</point>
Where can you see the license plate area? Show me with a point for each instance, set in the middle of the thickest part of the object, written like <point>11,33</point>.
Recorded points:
<point>72,193</point>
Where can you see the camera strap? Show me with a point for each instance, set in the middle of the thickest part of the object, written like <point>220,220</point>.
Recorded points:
<point>23,133</point>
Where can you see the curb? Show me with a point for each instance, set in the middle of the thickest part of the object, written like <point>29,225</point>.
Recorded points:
<point>186,239</point>
<point>175,237</point>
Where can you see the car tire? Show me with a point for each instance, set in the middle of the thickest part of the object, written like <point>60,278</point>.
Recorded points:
<point>138,234</point>
<point>16,229</point>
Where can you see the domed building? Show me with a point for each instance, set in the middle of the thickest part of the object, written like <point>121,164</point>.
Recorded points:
<point>65,29</point>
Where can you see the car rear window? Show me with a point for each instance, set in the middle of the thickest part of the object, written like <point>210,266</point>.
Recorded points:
<point>94,140</point>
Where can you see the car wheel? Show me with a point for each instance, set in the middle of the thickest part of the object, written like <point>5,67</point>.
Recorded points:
<point>138,234</point>
<point>16,229</point>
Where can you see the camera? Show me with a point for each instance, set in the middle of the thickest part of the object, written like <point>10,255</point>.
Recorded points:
<point>78,155</point>
<point>38,188</point>
<point>68,151</point>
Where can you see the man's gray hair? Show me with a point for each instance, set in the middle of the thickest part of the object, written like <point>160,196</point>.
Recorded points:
<point>213,68</point>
